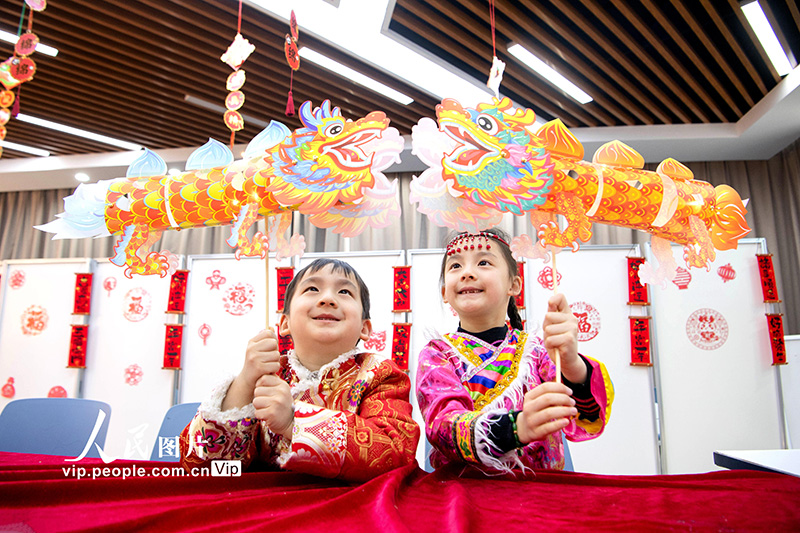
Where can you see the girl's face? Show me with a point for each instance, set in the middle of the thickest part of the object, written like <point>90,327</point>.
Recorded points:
<point>477,285</point>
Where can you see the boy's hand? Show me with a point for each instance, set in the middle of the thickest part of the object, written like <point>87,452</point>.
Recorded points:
<point>262,357</point>
<point>561,332</point>
<point>545,410</point>
<point>273,402</point>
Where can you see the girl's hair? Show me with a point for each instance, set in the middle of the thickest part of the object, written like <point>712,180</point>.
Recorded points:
<point>337,266</point>
<point>500,239</point>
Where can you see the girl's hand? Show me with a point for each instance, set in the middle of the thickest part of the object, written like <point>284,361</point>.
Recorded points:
<point>545,410</point>
<point>273,402</point>
<point>561,332</point>
<point>262,357</point>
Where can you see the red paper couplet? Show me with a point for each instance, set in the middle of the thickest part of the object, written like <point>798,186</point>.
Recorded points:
<point>401,338</point>
<point>83,294</point>
<point>77,346</point>
<point>640,341</point>
<point>520,298</point>
<point>401,302</point>
<point>285,344</point>
<point>768,285</point>
<point>177,292</point>
<point>776,340</point>
<point>173,344</point>
<point>284,275</point>
<point>637,293</point>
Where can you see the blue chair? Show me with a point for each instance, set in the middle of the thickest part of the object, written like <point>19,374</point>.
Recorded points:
<point>567,456</point>
<point>174,421</point>
<point>54,426</point>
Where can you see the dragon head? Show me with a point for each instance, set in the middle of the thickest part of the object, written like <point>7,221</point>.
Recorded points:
<point>495,161</point>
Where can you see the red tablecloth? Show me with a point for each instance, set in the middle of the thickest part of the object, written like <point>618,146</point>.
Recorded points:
<point>42,493</point>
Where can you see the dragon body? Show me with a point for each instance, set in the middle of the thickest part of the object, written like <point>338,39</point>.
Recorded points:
<point>331,164</point>
<point>489,162</point>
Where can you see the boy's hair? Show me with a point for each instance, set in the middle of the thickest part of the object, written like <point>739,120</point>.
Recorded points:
<point>338,266</point>
<point>499,237</point>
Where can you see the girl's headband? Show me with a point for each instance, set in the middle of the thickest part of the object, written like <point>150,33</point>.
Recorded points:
<point>467,241</point>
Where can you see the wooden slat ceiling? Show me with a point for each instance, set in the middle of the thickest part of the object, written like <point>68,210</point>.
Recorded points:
<point>125,67</point>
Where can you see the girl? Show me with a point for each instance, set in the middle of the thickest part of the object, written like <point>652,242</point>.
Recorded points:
<point>487,392</point>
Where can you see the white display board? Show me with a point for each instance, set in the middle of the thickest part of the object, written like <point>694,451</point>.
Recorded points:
<point>718,390</point>
<point>595,283</point>
<point>225,308</point>
<point>376,269</point>
<point>790,385</point>
<point>125,356</point>
<point>38,298</point>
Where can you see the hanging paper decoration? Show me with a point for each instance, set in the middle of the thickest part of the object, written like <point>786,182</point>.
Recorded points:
<point>285,344</point>
<point>637,293</point>
<point>707,329</point>
<point>18,68</point>
<point>496,72</point>
<point>768,286</point>
<point>177,292</point>
<point>284,277</point>
<point>204,332</point>
<point>519,300</point>
<point>640,341</point>
<point>236,54</point>
<point>57,392</point>
<point>8,389</point>
<point>402,289</point>
<point>109,284</point>
<point>83,294</point>
<point>401,338</point>
<point>173,344</point>
<point>215,280</point>
<point>330,169</point>
<point>293,58</point>
<point>77,346</point>
<point>776,339</point>
<point>484,161</point>
<point>726,272</point>
<point>34,320</point>
<point>133,375</point>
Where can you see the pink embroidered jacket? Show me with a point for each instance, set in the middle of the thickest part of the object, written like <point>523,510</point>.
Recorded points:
<point>352,421</point>
<point>461,395</point>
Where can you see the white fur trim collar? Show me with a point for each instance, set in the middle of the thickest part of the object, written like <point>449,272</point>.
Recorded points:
<point>306,379</point>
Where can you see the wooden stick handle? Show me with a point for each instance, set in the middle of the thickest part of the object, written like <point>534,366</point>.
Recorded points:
<point>555,291</point>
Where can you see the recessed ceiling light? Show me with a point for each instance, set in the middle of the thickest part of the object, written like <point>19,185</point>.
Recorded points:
<point>766,35</point>
<point>82,176</point>
<point>78,132</point>
<point>548,73</point>
<point>353,75</point>
<point>22,148</point>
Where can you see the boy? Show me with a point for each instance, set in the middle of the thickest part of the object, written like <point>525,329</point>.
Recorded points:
<point>328,408</point>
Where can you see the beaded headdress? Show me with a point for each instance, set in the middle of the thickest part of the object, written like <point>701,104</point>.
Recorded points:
<point>466,241</point>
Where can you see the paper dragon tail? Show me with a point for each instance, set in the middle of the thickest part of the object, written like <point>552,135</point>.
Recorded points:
<point>729,224</point>
<point>84,214</point>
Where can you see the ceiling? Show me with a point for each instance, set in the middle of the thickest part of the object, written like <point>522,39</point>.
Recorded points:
<point>680,78</point>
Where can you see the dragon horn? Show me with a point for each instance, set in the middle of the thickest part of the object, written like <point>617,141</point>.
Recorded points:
<point>307,116</point>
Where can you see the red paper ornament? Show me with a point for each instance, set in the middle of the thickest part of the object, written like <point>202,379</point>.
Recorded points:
<point>6,98</point>
<point>376,341</point>
<point>133,375</point>
<point>726,272</point>
<point>57,392</point>
<point>8,389</point>
<point>682,278</point>
<point>588,320</point>
<point>26,44</point>
<point>707,329</point>
<point>109,284</point>
<point>204,332</point>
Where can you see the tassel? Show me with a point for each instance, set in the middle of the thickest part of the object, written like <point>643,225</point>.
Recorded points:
<point>15,106</point>
<point>290,106</point>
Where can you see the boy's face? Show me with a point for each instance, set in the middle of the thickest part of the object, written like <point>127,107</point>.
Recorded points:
<point>325,316</point>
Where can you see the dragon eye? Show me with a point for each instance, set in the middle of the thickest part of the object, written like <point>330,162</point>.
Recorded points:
<point>488,124</point>
<point>333,130</point>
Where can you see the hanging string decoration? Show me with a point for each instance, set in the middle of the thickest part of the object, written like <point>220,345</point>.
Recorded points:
<point>293,58</point>
<point>18,68</point>
<point>236,54</point>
